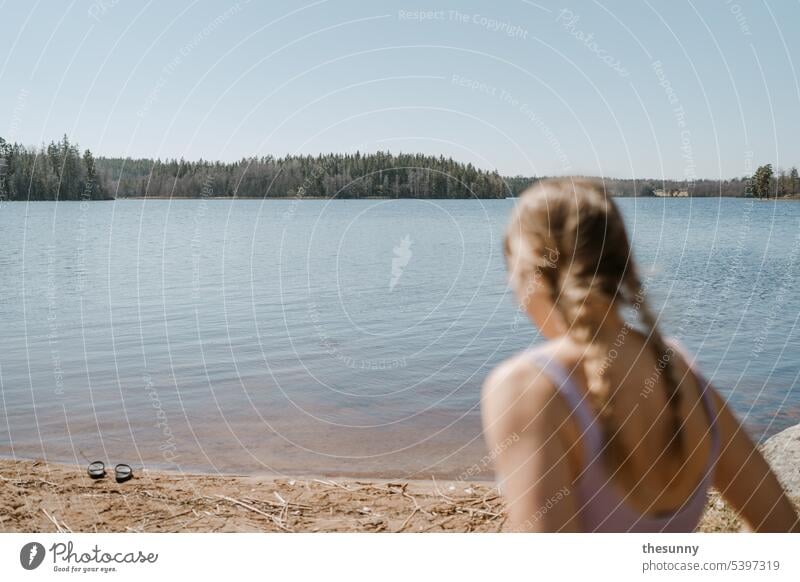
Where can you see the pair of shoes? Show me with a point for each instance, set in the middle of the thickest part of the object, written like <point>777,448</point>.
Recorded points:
<point>122,472</point>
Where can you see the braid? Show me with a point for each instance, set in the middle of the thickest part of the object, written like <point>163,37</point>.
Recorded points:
<point>575,303</point>
<point>664,353</point>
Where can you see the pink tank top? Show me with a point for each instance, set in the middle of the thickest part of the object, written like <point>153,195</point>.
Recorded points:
<point>601,505</point>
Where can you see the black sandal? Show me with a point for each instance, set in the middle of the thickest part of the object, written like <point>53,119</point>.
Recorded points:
<point>96,469</point>
<point>123,472</point>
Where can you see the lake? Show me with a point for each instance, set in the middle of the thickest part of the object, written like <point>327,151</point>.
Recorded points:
<point>339,337</point>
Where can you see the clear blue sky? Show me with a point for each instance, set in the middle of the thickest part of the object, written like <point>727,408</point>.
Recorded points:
<point>645,89</point>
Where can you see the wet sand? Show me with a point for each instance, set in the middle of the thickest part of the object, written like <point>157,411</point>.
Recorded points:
<point>45,497</point>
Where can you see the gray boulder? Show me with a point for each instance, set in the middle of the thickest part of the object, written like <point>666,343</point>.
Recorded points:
<point>783,453</point>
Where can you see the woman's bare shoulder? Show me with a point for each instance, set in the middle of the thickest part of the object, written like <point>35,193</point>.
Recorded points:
<point>517,391</point>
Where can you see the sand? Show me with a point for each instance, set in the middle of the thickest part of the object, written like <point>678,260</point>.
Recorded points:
<point>45,497</point>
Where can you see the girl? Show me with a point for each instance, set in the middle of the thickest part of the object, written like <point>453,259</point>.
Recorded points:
<point>606,427</point>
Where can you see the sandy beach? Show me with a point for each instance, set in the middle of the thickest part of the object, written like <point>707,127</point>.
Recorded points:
<point>47,497</point>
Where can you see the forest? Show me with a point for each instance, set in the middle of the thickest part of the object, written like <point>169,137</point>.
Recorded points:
<point>59,171</point>
<point>377,175</point>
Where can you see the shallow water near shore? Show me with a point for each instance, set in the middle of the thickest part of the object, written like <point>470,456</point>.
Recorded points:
<point>339,337</point>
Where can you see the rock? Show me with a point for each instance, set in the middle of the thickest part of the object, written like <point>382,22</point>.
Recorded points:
<point>783,453</point>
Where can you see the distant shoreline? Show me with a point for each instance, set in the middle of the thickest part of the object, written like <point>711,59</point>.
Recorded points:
<point>375,175</point>
<point>301,198</point>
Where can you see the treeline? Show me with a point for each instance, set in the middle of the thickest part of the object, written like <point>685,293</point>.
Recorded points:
<point>734,187</point>
<point>57,171</point>
<point>781,185</point>
<point>355,175</point>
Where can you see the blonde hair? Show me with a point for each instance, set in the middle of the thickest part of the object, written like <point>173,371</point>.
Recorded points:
<point>570,236</point>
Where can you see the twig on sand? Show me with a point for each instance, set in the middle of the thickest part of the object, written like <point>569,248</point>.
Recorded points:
<point>285,509</point>
<point>490,514</point>
<point>416,503</point>
<point>27,481</point>
<point>172,516</point>
<point>59,527</point>
<point>439,524</point>
<point>15,481</point>
<point>278,505</point>
<point>50,517</point>
<point>334,484</point>
<point>439,492</point>
<point>407,521</point>
<point>274,519</point>
<point>501,524</point>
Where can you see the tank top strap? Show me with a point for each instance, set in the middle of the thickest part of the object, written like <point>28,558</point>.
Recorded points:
<point>557,373</point>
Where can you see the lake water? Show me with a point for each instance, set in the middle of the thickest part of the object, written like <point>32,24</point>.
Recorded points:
<point>338,337</point>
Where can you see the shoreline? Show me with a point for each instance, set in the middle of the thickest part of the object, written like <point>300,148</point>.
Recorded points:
<point>795,198</point>
<point>49,497</point>
<point>478,473</point>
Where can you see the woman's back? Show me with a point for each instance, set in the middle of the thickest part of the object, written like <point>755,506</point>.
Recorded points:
<point>642,473</point>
